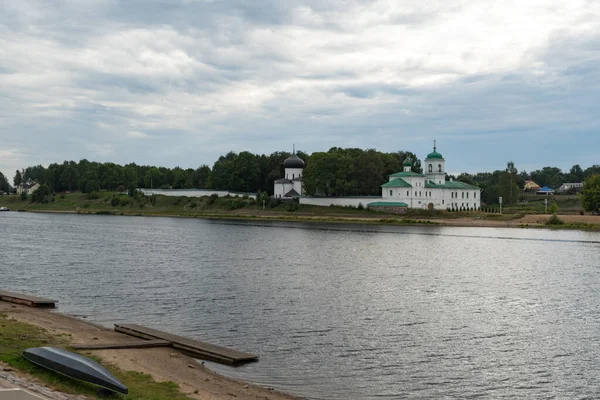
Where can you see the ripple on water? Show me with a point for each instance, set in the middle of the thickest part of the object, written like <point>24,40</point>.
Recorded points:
<point>336,312</point>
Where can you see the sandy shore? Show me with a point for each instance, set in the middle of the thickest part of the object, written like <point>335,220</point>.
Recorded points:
<point>163,364</point>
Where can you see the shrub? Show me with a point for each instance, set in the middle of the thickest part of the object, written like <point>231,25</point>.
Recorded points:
<point>212,198</point>
<point>245,197</point>
<point>121,188</point>
<point>114,202</point>
<point>193,204</point>
<point>291,207</point>
<point>554,220</point>
<point>53,199</point>
<point>235,204</point>
<point>275,203</point>
<point>360,206</point>
<point>124,201</point>
<point>62,195</point>
<point>93,196</point>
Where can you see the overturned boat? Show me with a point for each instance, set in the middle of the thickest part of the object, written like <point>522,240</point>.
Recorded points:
<point>74,366</point>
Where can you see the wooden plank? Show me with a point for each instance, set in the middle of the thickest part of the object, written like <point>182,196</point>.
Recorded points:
<point>195,347</point>
<point>31,301</point>
<point>142,344</point>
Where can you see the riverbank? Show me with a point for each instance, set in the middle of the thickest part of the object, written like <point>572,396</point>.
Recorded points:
<point>182,377</point>
<point>108,203</point>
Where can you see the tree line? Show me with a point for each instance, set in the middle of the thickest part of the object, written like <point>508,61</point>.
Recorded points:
<point>336,172</point>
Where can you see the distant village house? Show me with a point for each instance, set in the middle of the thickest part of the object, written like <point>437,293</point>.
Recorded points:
<point>27,187</point>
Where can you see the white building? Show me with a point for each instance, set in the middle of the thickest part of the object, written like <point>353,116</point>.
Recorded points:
<point>409,189</point>
<point>290,186</point>
<point>565,187</point>
<point>27,187</point>
<point>429,190</point>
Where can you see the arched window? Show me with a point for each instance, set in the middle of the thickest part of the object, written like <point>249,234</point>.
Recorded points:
<point>391,193</point>
<point>467,195</point>
<point>463,195</point>
<point>293,176</point>
<point>430,167</point>
<point>439,167</point>
<point>419,194</point>
<point>474,195</point>
<point>407,193</point>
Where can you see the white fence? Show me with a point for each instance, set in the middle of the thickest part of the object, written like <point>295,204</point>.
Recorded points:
<point>339,201</point>
<point>194,192</point>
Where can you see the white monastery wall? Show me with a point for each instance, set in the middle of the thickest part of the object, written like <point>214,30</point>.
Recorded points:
<point>338,201</point>
<point>194,192</point>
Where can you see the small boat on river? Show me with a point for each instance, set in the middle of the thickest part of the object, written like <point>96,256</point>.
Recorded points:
<point>4,209</point>
<point>74,366</point>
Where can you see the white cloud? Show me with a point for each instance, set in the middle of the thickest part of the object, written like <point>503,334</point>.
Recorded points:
<point>137,135</point>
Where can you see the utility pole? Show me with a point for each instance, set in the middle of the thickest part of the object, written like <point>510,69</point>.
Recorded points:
<point>500,201</point>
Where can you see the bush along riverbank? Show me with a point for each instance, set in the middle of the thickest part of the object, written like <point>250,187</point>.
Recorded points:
<point>265,208</point>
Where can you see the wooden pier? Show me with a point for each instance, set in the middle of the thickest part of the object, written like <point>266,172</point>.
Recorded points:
<point>193,347</point>
<point>26,300</point>
<point>141,344</point>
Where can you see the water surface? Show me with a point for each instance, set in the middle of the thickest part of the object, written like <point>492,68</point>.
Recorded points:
<point>336,311</point>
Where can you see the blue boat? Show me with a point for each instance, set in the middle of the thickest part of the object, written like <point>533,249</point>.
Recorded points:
<point>74,366</point>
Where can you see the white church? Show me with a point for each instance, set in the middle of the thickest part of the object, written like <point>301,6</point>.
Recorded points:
<point>429,190</point>
<point>290,186</point>
<point>405,189</point>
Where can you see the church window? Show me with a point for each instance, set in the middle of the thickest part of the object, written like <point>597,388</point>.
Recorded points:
<point>474,195</point>
<point>415,194</point>
<point>293,176</point>
<point>429,194</point>
<point>407,193</point>
<point>391,193</point>
<point>430,168</point>
<point>467,195</point>
<point>442,201</point>
<point>439,167</point>
<point>463,195</point>
<point>419,194</point>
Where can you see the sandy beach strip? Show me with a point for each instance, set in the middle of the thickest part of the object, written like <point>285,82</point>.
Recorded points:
<point>163,364</point>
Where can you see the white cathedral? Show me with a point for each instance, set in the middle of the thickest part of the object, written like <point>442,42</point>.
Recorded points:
<point>404,189</point>
<point>429,190</point>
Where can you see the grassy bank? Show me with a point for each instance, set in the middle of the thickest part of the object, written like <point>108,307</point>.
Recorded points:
<point>112,203</point>
<point>17,336</point>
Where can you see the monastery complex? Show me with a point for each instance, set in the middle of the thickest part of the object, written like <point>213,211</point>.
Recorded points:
<point>404,189</point>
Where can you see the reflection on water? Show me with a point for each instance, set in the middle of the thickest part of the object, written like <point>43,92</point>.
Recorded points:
<point>336,312</point>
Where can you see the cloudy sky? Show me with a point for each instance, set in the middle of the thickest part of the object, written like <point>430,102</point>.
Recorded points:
<point>182,82</point>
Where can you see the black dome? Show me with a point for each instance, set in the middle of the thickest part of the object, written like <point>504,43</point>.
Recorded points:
<point>293,161</point>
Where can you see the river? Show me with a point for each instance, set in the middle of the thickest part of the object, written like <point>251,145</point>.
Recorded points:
<point>335,311</point>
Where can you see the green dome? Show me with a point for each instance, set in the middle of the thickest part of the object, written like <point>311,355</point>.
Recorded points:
<point>435,154</point>
<point>407,162</point>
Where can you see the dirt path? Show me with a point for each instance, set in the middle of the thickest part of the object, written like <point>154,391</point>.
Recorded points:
<point>163,364</point>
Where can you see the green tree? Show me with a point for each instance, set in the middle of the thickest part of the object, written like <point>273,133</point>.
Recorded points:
<point>590,194</point>
<point>4,186</point>
<point>18,179</point>
<point>41,194</point>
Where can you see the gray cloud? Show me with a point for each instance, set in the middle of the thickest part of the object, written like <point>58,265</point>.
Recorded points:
<point>179,83</point>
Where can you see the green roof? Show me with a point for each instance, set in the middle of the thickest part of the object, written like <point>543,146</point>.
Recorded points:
<point>407,162</point>
<point>403,174</point>
<point>435,154</point>
<point>387,204</point>
<point>398,182</point>
<point>457,185</point>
